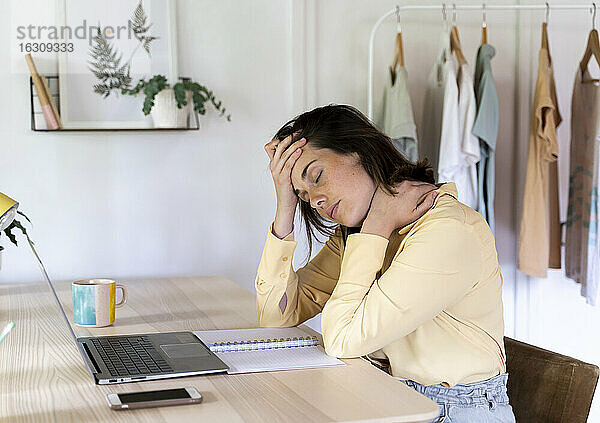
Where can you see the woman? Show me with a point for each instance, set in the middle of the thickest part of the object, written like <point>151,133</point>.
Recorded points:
<point>409,275</point>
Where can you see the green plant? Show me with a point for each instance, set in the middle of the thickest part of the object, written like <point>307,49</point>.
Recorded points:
<point>200,94</point>
<point>16,224</point>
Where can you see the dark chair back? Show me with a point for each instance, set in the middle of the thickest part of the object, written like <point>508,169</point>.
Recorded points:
<point>547,387</point>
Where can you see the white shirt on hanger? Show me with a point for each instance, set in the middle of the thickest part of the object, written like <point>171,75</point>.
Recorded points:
<point>446,131</point>
<point>431,127</point>
<point>459,148</point>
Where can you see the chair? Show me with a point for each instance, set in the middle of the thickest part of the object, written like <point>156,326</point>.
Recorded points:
<point>547,387</point>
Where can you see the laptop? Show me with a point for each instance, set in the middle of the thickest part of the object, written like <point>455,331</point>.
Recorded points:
<point>134,358</point>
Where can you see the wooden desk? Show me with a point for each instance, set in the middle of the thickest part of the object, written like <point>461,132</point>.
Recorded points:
<point>43,377</point>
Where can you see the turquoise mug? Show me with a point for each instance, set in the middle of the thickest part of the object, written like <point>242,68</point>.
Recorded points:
<point>94,302</point>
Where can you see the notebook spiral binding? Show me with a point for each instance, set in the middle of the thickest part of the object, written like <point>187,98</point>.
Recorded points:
<point>264,344</point>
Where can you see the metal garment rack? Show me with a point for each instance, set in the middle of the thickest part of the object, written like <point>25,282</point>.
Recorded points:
<point>452,8</point>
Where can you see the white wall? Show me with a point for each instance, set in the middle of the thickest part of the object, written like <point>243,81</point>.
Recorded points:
<point>198,203</point>
<point>154,204</point>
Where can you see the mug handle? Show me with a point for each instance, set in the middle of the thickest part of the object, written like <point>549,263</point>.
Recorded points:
<point>123,297</point>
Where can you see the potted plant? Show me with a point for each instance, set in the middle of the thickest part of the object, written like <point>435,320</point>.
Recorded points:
<point>170,106</point>
<point>8,231</point>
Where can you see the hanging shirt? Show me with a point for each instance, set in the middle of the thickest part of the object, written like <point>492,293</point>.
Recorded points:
<point>459,148</point>
<point>539,238</point>
<point>582,250</point>
<point>441,78</point>
<point>486,129</point>
<point>429,299</point>
<point>395,116</point>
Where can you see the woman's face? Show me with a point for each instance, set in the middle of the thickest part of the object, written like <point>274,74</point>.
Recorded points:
<point>336,185</point>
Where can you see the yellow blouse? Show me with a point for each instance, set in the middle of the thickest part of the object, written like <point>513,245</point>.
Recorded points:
<point>429,299</point>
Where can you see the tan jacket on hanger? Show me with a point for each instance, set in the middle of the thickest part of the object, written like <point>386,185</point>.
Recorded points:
<point>539,240</point>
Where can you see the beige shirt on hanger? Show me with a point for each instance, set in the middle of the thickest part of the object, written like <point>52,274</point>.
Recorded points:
<point>582,249</point>
<point>539,240</point>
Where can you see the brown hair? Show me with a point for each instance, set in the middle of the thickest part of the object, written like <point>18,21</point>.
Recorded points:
<point>345,130</point>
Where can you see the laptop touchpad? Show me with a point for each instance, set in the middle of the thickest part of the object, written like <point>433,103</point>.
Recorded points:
<point>185,350</point>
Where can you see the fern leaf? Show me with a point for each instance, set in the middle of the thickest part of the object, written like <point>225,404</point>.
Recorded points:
<point>23,214</point>
<point>106,66</point>
<point>21,227</point>
<point>10,236</point>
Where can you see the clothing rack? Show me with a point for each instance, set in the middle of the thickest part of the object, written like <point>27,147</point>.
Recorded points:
<point>452,8</point>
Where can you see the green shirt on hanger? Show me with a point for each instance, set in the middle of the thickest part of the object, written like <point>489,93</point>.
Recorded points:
<point>395,116</point>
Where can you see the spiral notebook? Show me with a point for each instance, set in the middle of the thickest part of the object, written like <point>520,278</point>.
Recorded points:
<point>267,349</point>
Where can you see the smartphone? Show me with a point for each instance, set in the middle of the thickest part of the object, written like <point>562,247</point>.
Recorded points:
<point>162,398</point>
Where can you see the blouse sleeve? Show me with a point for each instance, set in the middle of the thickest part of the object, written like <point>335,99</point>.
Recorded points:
<point>286,297</point>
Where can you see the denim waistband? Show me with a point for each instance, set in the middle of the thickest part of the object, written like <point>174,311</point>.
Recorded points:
<point>491,391</point>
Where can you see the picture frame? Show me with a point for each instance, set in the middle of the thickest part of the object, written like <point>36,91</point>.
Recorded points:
<point>148,53</point>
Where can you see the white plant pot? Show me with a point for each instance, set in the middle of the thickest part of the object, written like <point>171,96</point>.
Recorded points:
<point>166,114</point>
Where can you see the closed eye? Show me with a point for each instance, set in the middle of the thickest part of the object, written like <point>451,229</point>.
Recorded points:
<point>318,177</point>
<point>316,181</point>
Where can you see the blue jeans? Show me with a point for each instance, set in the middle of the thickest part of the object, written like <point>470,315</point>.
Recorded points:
<point>479,402</point>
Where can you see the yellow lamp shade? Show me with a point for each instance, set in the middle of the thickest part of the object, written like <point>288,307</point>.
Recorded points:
<point>8,211</point>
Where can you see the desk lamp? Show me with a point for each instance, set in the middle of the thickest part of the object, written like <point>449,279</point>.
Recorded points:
<point>8,211</point>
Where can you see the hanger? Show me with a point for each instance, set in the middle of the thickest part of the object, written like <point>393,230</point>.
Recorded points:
<point>455,39</point>
<point>545,28</point>
<point>484,28</point>
<point>445,17</point>
<point>592,48</point>
<point>399,52</point>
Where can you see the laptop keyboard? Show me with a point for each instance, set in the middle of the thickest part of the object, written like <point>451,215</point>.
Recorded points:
<point>132,355</point>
